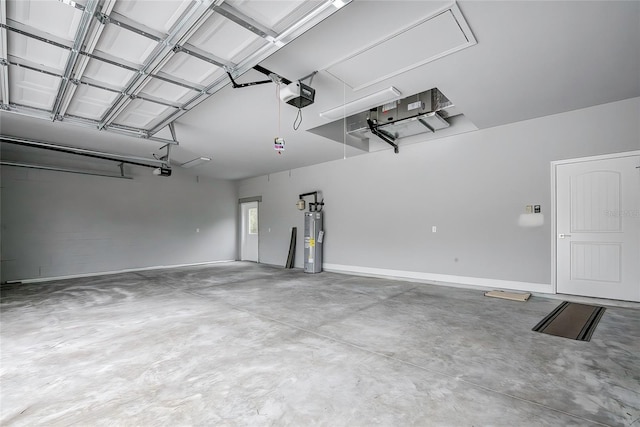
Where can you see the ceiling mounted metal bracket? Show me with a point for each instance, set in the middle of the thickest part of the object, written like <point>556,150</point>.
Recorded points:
<point>310,77</point>
<point>165,159</point>
<point>244,21</point>
<point>273,78</point>
<point>382,135</point>
<point>172,129</point>
<point>13,28</point>
<point>122,22</point>
<point>202,55</point>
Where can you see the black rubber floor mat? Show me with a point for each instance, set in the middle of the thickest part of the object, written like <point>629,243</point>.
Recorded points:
<point>571,320</point>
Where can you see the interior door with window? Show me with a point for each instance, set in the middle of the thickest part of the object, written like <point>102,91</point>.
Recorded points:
<point>249,232</point>
<point>598,226</point>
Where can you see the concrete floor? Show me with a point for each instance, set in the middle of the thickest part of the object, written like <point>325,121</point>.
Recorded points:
<point>243,344</point>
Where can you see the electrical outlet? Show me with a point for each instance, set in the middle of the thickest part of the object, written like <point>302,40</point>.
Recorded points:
<point>434,229</point>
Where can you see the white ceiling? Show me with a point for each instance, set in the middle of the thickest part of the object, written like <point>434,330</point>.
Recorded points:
<point>531,59</point>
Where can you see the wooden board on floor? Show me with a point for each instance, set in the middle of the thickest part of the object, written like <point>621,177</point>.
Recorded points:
<point>513,296</point>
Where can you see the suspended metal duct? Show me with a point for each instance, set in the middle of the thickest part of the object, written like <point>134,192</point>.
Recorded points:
<point>425,112</point>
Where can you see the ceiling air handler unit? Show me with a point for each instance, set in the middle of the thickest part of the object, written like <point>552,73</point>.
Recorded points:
<point>425,112</point>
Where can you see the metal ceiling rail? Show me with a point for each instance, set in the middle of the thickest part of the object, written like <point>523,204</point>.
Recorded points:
<point>135,27</point>
<point>137,161</point>
<point>204,56</point>
<point>57,169</point>
<point>25,110</point>
<point>160,75</point>
<point>29,67</point>
<point>37,34</point>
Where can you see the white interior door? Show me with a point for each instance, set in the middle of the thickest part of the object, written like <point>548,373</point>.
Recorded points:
<point>249,231</point>
<point>598,226</point>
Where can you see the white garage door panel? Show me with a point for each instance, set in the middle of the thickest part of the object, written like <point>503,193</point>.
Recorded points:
<point>90,102</point>
<point>143,114</point>
<point>269,12</point>
<point>165,12</point>
<point>52,17</point>
<point>125,44</point>
<point>31,88</point>
<point>167,91</point>
<point>237,40</point>
<point>109,74</point>
<point>192,69</point>
<point>37,52</point>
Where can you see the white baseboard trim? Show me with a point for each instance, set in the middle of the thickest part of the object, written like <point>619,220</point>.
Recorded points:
<point>105,273</point>
<point>442,279</point>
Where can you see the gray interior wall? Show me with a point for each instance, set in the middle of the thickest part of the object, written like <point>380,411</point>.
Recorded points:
<point>59,224</point>
<point>380,207</point>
